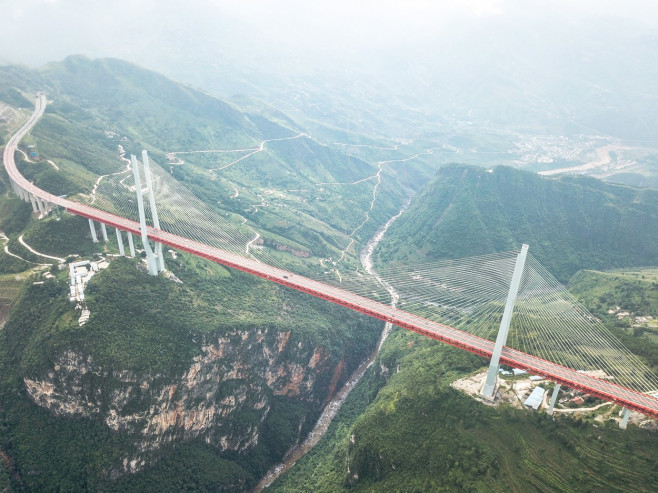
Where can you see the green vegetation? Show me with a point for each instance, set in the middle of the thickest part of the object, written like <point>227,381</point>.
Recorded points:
<point>196,467</point>
<point>10,287</point>
<point>14,215</point>
<point>632,291</point>
<point>155,326</point>
<point>12,265</point>
<point>411,432</point>
<point>62,234</point>
<point>632,296</point>
<point>570,223</point>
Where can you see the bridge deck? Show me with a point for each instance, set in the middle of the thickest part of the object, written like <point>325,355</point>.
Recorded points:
<point>571,378</point>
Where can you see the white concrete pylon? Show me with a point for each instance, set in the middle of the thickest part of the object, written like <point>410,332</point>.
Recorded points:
<point>154,210</point>
<point>151,261</point>
<point>42,206</point>
<point>501,339</point>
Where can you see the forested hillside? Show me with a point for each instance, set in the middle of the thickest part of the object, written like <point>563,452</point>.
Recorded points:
<point>254,163</point>
<point>570,223</point>
<point>209,366</point>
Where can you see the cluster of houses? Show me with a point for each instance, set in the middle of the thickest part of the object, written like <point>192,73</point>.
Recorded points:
<point>80,273</point>
<point>536,397</point>
<point>638,321</point>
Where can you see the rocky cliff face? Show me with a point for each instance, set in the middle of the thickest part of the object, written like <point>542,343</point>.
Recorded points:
<point>223,398</point>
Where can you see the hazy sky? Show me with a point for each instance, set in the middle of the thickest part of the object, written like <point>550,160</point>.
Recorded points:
<point>376,21</point>
<point>57,28</point>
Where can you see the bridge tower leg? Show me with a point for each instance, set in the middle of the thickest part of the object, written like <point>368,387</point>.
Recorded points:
<point>92,227</point>
<point>151,261</point>
<point>131,245</point>
<point>154,210</point>
<point>104,231</point>
<point>625,414</point>
<point>122,251</point>
<point>501,339</point>
<point>556,391</point>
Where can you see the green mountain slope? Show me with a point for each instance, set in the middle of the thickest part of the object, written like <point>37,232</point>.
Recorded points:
<point>285,179</point>
<point>628,302</point>
<point>569,223</point>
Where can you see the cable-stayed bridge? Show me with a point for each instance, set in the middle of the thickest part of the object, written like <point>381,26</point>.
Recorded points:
<point>462,303</point>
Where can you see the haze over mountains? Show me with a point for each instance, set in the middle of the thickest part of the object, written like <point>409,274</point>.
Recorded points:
<point>541,69</point>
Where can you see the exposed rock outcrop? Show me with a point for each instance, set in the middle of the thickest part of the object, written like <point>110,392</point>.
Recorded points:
<point>236,374</point>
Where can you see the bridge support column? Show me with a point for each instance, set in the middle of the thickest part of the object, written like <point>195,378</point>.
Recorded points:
<point>131,245</point>
<point>104,232</point>
<point>122,252</point>
<point>92,227</point>
<point>556,391</point>
<point>35,207</point>
<point>625,415</point>
<point>492,375</point>
<point>154,210</point>
<point>42,206</point>
<point>151,261</point>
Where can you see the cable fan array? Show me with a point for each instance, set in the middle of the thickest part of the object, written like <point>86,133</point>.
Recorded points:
<point>467,294</point>
<point>548,322</point>
<point>179,211</point>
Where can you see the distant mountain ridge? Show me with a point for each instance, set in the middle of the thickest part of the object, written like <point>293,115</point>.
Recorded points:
<point>570,223</point>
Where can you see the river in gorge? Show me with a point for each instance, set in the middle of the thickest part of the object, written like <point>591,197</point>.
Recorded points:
<point>298,451</point>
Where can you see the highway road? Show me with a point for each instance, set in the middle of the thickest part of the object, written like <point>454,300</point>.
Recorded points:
<point>571,378</point>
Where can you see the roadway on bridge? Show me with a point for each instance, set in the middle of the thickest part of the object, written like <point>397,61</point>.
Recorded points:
<point>569,377</point>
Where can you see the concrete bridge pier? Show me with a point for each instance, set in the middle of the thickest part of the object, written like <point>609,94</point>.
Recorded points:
<point>47,206</point>
<point>35,207</point>
<point>104,232</point>
<point>21,193</point>
<point>625,415</point>
<point>122,251</point>
<point>556,391</point>
<point>42,206</point>
<point>92,227</point>
<point>131,244</point>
